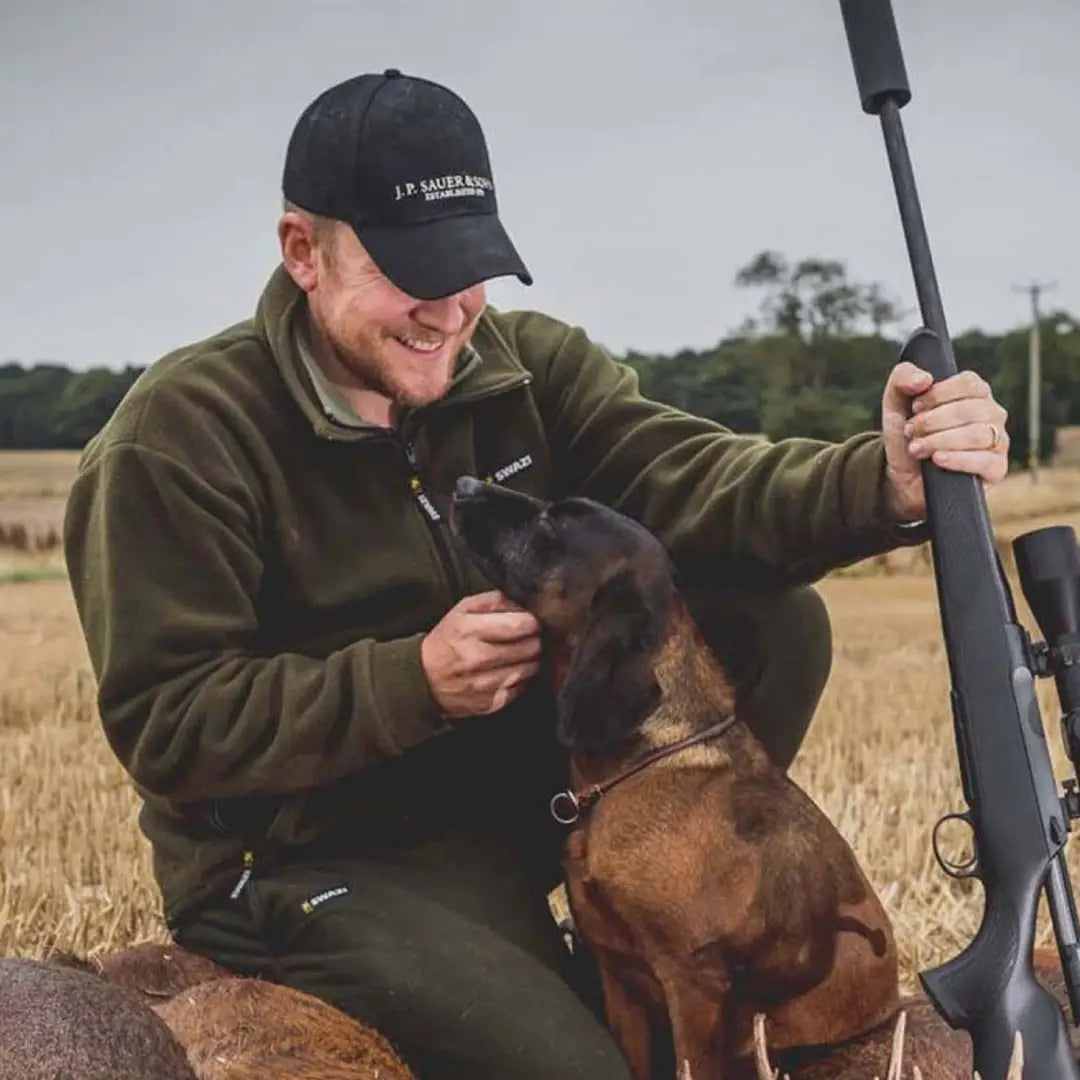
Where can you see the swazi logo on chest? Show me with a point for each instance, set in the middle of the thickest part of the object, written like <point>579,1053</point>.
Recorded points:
<point>422,498</point>
<point>516,466</point>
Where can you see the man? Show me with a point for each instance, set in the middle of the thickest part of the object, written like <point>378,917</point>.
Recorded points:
<point>331,718</point>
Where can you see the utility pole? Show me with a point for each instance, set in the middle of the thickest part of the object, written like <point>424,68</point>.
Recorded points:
<point>1034,289</point>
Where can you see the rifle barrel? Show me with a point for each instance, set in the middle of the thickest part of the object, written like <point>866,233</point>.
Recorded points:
<point>911,217</point>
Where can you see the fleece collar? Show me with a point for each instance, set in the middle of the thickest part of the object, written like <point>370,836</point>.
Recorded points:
<point>485,368</point>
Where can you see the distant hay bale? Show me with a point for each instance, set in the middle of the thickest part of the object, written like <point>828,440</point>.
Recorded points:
<point>17,536</point>
<point>1067,446</point>
<point>47,540</point>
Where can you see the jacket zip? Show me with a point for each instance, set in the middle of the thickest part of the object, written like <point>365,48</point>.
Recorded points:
<point>430,512</point>
<point>434,519</point>
<point>427,507</point>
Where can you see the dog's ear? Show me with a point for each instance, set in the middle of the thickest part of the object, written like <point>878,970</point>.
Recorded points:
<point>610,688</point>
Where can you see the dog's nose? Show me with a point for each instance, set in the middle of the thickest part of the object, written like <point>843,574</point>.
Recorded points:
<point>467,486</point>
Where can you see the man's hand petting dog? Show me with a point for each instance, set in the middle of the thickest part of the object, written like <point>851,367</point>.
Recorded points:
<point>480,655</point>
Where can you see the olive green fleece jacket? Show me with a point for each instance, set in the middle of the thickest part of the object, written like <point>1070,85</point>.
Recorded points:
<point>254,579</point>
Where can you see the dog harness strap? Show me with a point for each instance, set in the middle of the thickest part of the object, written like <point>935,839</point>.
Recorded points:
<point>567,806</point>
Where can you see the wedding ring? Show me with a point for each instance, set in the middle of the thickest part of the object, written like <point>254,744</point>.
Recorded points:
<point>995,436</point>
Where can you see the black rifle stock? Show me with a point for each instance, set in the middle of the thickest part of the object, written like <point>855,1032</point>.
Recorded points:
<point>1019,822</point>
<point>990,989</point>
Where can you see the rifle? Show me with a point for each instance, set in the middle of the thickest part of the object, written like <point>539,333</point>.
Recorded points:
<point>1018,821</point>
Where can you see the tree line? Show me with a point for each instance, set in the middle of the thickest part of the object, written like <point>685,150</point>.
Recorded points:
<point>810,361</point>
<point>813,359</point>
<point>49,407</point>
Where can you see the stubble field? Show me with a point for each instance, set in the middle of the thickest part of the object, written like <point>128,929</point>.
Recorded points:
<point>880,758</point>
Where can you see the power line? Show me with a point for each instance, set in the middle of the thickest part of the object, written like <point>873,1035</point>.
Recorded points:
<point>1034,289</point>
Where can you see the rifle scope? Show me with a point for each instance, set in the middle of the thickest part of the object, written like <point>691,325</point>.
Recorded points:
<point>1048,564</point>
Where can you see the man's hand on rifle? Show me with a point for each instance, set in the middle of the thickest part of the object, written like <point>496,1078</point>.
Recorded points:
<point>956,423</point>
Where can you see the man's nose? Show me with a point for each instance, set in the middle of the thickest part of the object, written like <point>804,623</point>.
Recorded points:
<point>445,314</point>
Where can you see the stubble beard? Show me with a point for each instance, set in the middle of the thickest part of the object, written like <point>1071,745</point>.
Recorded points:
<point>367,360</point>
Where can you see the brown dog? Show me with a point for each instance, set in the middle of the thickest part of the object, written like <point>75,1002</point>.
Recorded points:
<point>707,885</point>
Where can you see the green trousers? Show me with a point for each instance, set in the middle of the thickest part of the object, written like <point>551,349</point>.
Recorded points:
<point>446,944</point>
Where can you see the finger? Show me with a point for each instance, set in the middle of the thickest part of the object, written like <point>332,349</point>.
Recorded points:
<point>507,675</point>
<point>989,465</point>
<point>518,676</point>
<point>499,657</point>
<point>491,601</point>
<point>955,414</point>
<point>905,382</point>
<point>982,436</point>
<point>502,627</point>
<point>511,687</point>
<point>965,384</point>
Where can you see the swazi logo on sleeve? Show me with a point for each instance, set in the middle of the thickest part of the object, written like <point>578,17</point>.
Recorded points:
<point>519,465</point>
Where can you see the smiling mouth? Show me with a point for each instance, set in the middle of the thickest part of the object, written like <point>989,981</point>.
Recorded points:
<point>419,346</point>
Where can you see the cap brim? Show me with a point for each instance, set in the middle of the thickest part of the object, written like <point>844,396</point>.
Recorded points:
<point>438,258</point>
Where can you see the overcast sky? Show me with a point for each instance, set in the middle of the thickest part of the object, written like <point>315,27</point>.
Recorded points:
<point>643,150</point>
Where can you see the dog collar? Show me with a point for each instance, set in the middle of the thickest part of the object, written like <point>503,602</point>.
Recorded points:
<point>568,806</point>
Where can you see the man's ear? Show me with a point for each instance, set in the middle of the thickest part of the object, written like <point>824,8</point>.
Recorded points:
<point>610,689</point>
<point>298,251</point>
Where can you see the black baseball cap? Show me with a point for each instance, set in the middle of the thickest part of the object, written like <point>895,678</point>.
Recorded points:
<point>403,161</point>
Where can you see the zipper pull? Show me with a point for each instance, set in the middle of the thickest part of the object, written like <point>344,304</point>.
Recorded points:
<point>245,877</point>
<point>417,488</point>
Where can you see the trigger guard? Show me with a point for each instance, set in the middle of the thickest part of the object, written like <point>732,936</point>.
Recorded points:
<point>958,871</point>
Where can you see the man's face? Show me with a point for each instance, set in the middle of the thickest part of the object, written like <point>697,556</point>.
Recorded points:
<point>399,346</point>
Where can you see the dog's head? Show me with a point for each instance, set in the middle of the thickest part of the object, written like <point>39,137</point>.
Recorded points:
<point>600,585</point>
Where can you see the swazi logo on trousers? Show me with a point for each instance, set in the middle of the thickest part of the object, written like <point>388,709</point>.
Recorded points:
<point>312,902</point>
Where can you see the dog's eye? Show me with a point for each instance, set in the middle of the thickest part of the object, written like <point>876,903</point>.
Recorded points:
<point>574,508</point>
<point>545,524</point>
<point>546,538</point>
